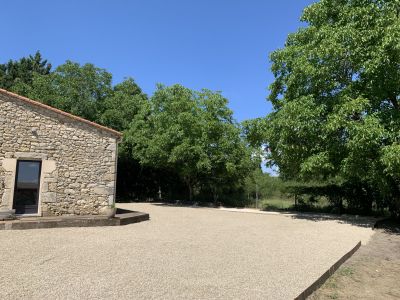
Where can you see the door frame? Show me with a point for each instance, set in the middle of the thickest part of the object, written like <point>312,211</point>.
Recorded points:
<point>38,212</point>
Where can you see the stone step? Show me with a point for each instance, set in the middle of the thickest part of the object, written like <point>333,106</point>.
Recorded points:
<point>7,214</point>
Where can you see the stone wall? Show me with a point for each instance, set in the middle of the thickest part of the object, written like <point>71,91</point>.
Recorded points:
<point>78,160</point>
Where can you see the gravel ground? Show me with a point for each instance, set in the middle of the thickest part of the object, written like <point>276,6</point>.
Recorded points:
<point>181,253</point>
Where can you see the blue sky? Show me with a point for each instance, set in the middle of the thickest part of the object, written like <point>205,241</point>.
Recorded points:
<point>221,45</point>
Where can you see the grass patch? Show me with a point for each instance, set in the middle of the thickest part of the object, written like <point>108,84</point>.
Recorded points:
<point>288,204</point>
<point>335,295</point>
<point>332,287</point>
<point>276,204</point>
<point>331,284</point>
<point>346,271</point>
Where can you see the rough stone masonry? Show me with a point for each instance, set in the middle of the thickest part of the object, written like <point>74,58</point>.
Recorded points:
<point>79,158</point>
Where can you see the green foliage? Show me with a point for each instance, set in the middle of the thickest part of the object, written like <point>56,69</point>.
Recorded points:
<point>293,134</point>
<point>265,185</point>
<point>80,90</point>
<point>391,160</point>
<point>254,131</point>
<point>336,99</point>
<point>23,70</point>
<point>123,105</point>
<point>194,134</point>
<point>177,137</point>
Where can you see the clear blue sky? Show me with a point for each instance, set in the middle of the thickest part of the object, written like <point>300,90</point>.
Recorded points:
<point>221,45</point>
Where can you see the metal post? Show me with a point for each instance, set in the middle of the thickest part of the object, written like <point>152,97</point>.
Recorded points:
<point>159,193</point>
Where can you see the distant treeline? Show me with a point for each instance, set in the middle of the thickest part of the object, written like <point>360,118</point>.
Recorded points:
<point>178,144</point>
<point>333,133</point>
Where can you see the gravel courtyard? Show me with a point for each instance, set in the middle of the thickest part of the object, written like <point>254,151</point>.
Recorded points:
<point>181,253</point>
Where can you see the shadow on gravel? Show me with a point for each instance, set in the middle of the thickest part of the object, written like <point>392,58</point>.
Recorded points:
<point>361,221</point>
<point>390,226</point>
<point>184,204</point>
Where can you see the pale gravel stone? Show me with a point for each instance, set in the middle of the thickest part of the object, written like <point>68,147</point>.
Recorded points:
<point>181,253</point>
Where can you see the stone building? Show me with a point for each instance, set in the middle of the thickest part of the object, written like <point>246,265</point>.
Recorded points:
<point>52,162</point>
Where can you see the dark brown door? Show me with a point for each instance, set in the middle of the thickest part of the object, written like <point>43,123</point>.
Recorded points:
<point>27,183</point>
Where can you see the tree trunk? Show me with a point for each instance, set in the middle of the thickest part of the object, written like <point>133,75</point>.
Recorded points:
<point>256,195</point>
<point>215,195</point>
<point>159,193</point>
<point>190,192</point>
<point>190,188</point>
<point>189,185</point>
<point>394,102</point>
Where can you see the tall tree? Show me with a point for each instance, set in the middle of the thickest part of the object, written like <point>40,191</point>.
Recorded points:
<point>123,104</point>
<point>193,133</point>
<point>80,90</point>
<point>228,158</point>
<point>23,70</point>
<point>336,98</point>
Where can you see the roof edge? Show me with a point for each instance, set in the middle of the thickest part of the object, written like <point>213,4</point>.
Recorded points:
<point>60,112</point>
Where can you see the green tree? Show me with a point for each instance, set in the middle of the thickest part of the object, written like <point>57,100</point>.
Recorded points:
<point>254,131</point>
<point>23,70</point>
<point>193,133</point>
<point>80,90</point>
<point>228,159</point>
<point>336,98</point>
<point>263,185</point>
<point>120,108</point>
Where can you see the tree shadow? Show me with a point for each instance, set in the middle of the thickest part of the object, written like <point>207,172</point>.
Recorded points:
<point>389,226</point>
<point>183,204</point>
<point>355,220</point>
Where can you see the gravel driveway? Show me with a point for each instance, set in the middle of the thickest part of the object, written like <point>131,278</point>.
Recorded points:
<point>181,253</point>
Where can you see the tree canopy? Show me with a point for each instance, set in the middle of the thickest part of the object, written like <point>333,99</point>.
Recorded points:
<point>336,99</point>
<point>23,70</point>
<point>80,90</point>
<point>193,133</point>
<point>177,137</point>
